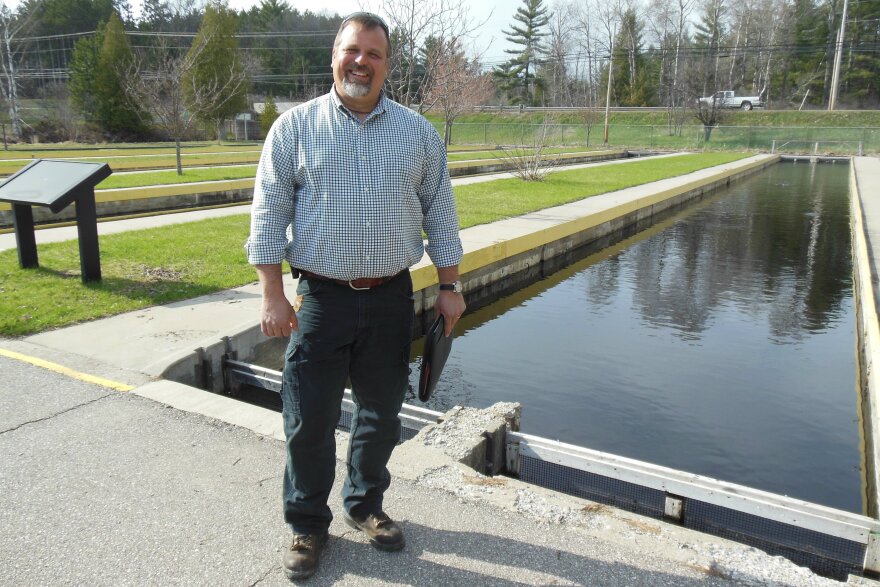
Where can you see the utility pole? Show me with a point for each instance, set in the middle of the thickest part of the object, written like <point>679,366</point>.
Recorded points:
<point>608,92</point>
<point>835,76</point>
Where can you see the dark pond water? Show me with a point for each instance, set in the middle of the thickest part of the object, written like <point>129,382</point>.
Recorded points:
<point>719,341</point>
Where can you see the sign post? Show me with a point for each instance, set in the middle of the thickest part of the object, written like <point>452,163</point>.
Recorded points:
<point>56,184</point>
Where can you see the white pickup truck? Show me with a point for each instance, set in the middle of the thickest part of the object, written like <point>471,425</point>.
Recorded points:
<point>727,99</point>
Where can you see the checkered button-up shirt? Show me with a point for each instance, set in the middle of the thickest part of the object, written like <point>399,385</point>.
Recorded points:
<point>349,199</point>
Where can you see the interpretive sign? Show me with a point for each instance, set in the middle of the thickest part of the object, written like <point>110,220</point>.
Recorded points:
<point>55,184</point>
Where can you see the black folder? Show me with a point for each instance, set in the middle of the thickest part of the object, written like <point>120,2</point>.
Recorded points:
<point>437,349</point>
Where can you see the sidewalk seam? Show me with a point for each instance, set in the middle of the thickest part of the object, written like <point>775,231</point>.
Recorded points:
<point>70,409</point>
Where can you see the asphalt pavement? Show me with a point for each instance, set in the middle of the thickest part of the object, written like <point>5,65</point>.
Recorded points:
<point>102,487</point>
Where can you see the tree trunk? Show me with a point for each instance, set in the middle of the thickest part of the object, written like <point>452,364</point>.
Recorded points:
<point>12,89</point>
<point>177,147</point>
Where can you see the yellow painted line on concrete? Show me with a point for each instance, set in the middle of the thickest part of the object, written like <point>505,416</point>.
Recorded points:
<point>115,385</point>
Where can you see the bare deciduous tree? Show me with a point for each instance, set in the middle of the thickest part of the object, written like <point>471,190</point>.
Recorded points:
<point>531,162</point>
<point>418,28</point>
<point>710,113</point>
<point>161,88</point>
<point>456,86</point>
<point>10,27</point>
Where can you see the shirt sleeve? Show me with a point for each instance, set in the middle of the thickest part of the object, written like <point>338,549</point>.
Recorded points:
<point>438,205</point>
<point>274,190</point>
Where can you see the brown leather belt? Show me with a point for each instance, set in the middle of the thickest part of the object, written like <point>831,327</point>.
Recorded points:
<point>359,284</point>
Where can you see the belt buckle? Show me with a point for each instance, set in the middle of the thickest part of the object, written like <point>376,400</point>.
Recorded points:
<point>352,286</point>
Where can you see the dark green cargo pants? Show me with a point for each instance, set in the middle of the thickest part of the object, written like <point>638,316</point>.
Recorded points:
<point>344,334</point>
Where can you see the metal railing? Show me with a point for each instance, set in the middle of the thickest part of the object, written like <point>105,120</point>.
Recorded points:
<point>831,542</point>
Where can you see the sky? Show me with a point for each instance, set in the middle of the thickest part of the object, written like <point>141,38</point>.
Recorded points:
<point>490,41</point>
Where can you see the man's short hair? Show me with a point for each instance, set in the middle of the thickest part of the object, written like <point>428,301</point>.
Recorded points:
<point>367,20</point>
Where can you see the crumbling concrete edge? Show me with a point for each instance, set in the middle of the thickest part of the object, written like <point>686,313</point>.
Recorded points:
<point>450,455</point>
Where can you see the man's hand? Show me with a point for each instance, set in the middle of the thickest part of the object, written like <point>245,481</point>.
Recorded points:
<point>451,305</point>
<point>277,317</point>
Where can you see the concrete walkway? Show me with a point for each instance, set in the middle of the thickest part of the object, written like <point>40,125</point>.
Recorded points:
<point>165,483</point>
<point>63,233</point>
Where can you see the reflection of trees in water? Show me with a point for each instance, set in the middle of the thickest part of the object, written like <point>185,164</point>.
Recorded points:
<point>778,245</point>
<point>603,282</point>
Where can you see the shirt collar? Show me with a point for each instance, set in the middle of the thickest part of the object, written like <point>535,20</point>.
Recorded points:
<point>379,109</point>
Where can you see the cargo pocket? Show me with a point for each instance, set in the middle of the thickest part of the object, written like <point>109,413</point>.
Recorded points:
<point>290,395</point>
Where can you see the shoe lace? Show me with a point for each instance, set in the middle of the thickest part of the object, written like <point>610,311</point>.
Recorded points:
<point>381,519</point>
<point>303,542</point>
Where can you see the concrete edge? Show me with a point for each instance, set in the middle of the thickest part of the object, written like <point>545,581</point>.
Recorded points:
<point>436,465</point>
<point>867,341</point>
<point>219,407</point>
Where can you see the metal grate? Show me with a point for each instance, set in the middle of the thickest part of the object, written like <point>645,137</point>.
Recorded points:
<point>831,542</point>
<point>598,488</point>
<point>822,553</point>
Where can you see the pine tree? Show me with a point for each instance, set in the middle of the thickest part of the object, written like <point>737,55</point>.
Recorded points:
<point>268,115</point>
<point>114,113</point>
<point>709,32</point>
<point>630,83</point>
<point>218,65</point>
<point>95,85</point>
<point>518,73</point>
<point>83,65</point>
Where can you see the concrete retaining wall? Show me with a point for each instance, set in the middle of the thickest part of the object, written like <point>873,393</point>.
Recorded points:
<point>865,221</point>
<point>504,256</point>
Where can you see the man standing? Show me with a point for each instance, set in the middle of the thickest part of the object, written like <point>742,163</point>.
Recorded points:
<point>345,186</point>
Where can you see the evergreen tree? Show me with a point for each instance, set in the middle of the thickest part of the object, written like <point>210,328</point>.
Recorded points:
<point>861,78</point>
<point>218,65</point>
<point>803,58</point>
<point>95,86</point>
<point>83,65</point>
<point>155,15</point>
<point>630,83</point>
<point>268,115</point>
<point>56,17</point>
<point>709,32</point>
<point>518,73</point>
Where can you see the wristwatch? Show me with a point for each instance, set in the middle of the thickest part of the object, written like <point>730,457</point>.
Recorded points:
<point>455,286</point>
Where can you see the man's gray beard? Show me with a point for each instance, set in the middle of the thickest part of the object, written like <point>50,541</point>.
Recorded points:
<point>354,89</point>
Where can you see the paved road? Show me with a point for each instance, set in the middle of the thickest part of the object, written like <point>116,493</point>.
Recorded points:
<point>107,488</point>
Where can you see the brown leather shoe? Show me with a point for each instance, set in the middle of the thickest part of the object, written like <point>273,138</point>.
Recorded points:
<point>384,534</point>
<point>301,559</point>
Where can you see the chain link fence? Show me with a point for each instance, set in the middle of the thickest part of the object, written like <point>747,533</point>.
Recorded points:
<point>810,140</point>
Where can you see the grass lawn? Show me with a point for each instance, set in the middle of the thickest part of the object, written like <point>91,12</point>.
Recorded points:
<point>137,162</point>
<point>480,203</point>
<point>190,175</point>
<point>159,265</point>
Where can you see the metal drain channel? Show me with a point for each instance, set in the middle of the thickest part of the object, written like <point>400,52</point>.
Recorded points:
<point>831,542</point>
